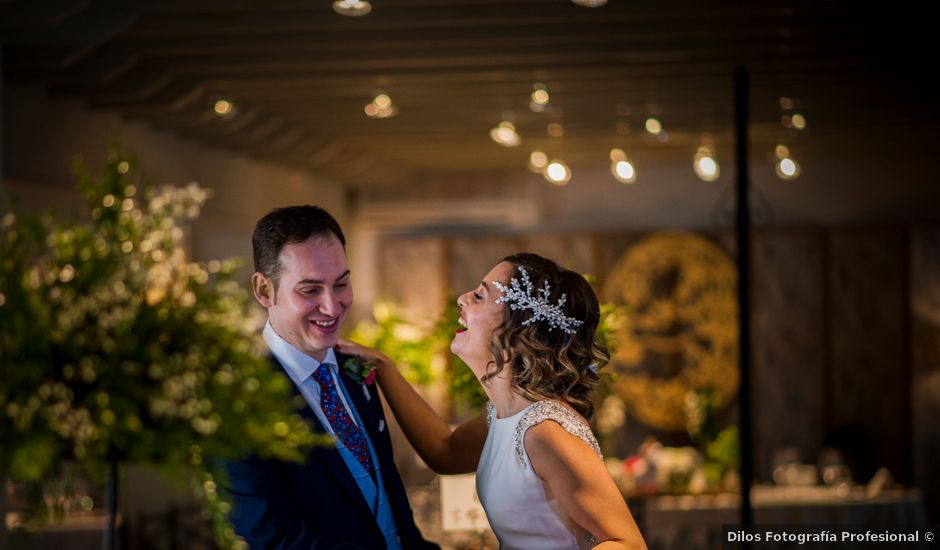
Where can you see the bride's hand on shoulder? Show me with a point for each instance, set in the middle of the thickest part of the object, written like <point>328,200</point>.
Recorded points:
<point>365,354</point>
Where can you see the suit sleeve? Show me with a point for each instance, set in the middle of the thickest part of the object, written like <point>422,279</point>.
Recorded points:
<point>266,516</point>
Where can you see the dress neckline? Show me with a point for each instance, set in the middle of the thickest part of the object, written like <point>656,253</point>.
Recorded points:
<point>513,416</point>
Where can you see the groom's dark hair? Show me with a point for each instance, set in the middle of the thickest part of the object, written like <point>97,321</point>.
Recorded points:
<point>289,225</point>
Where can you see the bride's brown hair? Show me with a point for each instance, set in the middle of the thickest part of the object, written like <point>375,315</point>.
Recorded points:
<point>551,363</point>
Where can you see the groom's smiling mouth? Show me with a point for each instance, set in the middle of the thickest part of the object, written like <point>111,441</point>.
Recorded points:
<point>325,325</point>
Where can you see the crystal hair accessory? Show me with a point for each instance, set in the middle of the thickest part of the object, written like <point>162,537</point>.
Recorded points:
<point>521,296</point>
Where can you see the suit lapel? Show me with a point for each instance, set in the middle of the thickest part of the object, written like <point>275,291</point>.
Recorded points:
<point>329,456</point>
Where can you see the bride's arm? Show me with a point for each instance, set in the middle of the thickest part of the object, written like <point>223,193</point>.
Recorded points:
<point>582,485</point>
<point>445,450</point>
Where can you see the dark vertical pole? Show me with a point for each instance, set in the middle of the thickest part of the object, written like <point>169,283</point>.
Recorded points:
<point>2,146</point>
<point>3,481</point>
<point>172,526</point>
<point>109,542</point>
<point>3,514</point>
<point>743,230</point>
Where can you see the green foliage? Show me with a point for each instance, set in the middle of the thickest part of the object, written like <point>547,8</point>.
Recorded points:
<point>719,445</point>
<point>115,348</point>
<point>406,344</point>
<point>611,317</point>
<point>723,453</point>
<point>701,408</point>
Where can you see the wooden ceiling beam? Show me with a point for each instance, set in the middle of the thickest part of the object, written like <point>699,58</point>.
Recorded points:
<point>315,17</point>
<point>599,34</point>
<point>23,16</point>
<point>147,82</point>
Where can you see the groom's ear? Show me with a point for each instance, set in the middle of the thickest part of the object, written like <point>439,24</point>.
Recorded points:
<point>263,289</point>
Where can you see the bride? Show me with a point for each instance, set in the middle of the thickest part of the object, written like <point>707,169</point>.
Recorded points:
<point>528,335</point>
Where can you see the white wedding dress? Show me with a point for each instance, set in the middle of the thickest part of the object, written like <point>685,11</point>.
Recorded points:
<point>513,496</point>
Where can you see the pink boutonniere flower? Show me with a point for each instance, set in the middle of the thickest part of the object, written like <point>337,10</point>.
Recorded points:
<point>363,373</point>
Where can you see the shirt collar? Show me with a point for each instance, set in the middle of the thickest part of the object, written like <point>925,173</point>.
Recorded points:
<point>299,365</point>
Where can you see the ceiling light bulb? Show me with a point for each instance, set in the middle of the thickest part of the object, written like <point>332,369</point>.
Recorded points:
<point>505,131</point>
<point>653,126</point>
<point>538,160</point>
<point>505,134</point>
<point>557,172</point>
<point>782,151</point>
<point>381,107</point>
<point>616,155</point>
<point>798,121</point>
<point>705,165</point>
<point>623,170</point>
<point>540,96</point>
<point>590,3</point>
<point>352,8</point>
<point>382,101</point>
<point>787,168</point>
<point>223,107</point>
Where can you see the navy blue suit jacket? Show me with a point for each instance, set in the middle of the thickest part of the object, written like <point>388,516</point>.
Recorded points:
<point>317,504</point>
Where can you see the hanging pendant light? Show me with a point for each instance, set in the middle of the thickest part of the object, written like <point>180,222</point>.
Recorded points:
<point>706,165</point>
<point>786,168</point>
<point>505,134</point>
<point>352,8</point>
<point>557,172</point>
<point>381,106</point>
<point>222,106</point>
<point>621,167</point>
<point>539,98</point>
<point>538,160</point>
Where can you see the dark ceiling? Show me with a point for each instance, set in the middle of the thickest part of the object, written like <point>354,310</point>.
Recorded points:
<point>300,74</point>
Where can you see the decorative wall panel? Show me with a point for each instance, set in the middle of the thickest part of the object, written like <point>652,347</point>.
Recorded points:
<point>787,381</point>
<point>869,412</point>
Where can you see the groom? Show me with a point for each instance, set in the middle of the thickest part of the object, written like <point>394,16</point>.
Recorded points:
<point>345,496</point>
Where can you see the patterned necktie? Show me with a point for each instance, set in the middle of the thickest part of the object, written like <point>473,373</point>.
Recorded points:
<point>339,420</point>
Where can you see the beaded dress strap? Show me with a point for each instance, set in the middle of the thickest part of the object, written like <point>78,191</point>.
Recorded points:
<point>490,413</point>
<point>549,410</point>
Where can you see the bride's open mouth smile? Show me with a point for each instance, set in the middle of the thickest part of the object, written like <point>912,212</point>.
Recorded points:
<point>463,325</point>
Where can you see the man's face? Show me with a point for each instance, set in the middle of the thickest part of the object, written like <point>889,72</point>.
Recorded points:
<point>313,294</point>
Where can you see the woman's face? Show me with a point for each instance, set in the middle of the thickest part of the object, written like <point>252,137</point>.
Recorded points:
<point>480,315</point>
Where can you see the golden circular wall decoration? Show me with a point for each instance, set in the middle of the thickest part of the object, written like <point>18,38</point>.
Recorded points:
<point>680,331</point>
